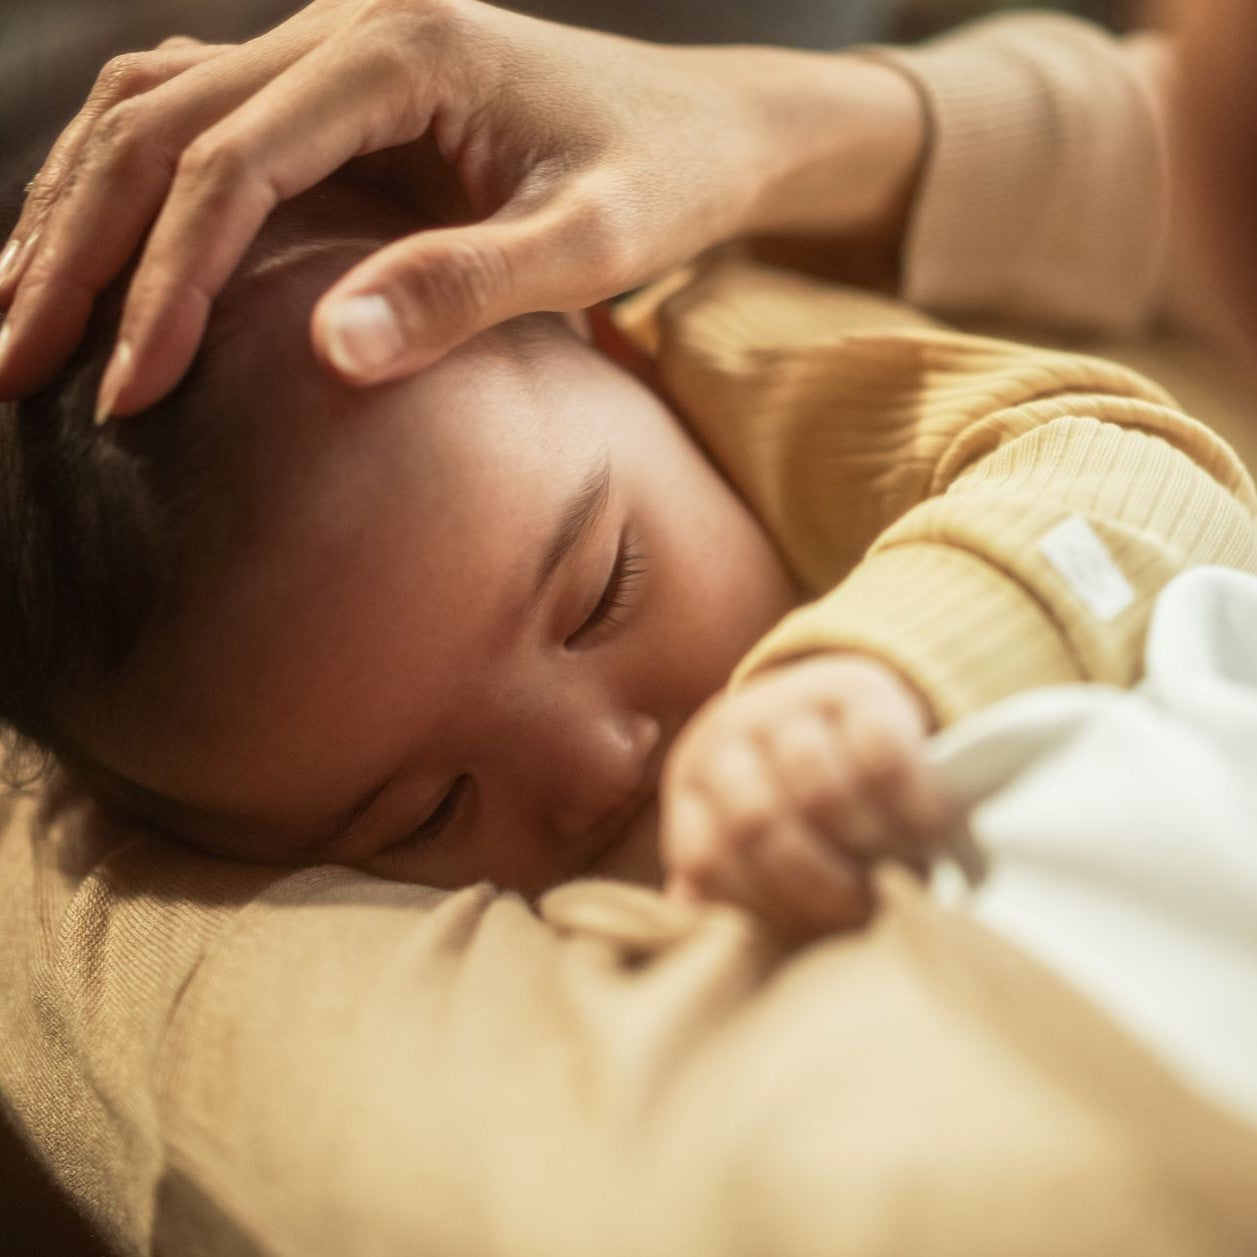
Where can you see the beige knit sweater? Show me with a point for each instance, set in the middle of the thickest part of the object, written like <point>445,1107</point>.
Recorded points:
<point>1048,194</point>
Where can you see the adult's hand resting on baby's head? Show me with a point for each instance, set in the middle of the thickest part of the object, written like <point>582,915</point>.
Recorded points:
<point>589,164</point>
<point>779,796</point>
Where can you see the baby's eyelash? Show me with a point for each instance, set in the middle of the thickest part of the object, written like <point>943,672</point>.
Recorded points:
<point>430,830</point>
<point>625,575</point>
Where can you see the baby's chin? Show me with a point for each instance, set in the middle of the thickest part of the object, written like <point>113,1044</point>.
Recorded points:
<point>636,859</point>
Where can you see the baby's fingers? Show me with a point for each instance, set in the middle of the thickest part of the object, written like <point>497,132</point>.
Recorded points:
<point>804,886</point>
<point>733,836</point>
<point>699,865</point>
<point>810,761</point>
<point>719,801</point>
<point>896,781</point>
<point>787,877</point>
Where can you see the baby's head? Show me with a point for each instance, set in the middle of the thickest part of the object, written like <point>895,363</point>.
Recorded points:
<point>443,630</point>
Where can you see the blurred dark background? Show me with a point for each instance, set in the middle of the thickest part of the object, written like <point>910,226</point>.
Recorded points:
<point>50,51</point>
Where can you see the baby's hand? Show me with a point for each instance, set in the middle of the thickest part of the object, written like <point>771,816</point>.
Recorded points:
<point>780,795</point>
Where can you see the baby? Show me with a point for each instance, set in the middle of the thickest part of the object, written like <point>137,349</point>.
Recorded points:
<point>468,626</point>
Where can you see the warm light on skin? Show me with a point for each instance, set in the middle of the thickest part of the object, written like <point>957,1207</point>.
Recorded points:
<point>370,631</point>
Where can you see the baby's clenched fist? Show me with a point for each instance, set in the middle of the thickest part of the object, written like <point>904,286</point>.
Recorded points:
<point>780,795</point>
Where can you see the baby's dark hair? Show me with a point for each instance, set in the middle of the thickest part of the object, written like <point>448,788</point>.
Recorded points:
<point>101,528</point>
<point>105,531</point>
<point>91,522</point>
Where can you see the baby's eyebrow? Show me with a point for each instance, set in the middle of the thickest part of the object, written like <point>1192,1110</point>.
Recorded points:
<point>581,513</point>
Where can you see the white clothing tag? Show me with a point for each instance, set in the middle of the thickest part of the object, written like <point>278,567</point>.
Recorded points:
<point>1073,548</point>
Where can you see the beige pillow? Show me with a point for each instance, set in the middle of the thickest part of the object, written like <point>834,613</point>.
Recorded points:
<point>220,1059</point>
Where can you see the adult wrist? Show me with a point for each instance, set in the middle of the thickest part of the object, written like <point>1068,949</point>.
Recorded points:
<point>843,140</point>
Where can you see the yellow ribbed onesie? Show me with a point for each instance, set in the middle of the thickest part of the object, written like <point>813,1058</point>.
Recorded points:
<point>983,516</point>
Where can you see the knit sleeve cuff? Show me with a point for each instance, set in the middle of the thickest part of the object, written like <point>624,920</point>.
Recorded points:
<point>1044,196</point>
<point>960,631</point>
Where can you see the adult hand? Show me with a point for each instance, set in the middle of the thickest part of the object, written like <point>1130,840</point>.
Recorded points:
<point>590,164</point>
<point>780,795</point>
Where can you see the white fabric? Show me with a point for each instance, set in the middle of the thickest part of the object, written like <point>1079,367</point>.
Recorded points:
<point>1119,832</point>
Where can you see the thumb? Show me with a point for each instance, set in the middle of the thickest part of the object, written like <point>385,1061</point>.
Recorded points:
<point>410,303</point>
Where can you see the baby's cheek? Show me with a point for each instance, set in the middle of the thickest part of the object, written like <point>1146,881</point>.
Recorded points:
<point>749,593</point>
<point>636,859</point>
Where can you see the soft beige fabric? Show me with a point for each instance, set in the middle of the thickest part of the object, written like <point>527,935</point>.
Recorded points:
<point>220,1060</point>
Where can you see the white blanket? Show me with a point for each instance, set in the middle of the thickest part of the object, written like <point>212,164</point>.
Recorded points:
<point>1119,831</point>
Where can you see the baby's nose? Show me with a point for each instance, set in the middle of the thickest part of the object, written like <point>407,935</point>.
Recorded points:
<point>609,769</point>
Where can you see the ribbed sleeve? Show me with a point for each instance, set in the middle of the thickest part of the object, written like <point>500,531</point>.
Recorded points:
<point>1046,193</point>
<point>966,596</point>
<point>985,517</point>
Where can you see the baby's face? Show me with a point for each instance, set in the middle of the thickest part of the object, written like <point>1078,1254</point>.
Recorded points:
<point>471,613</point>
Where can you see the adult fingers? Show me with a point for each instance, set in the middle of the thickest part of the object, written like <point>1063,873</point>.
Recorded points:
<point>123,78</point>
<point>413,301</point>
<point>109,201</point>
<point>172,42</point>
<point>285,138</point>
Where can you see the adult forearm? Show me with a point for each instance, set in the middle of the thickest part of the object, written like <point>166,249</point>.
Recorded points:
<point>842,141</point>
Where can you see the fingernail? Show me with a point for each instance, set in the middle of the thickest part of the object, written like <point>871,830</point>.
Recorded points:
<point>117,376</point>
<point>6,335</point>
<point>8,259</point>
<point>364,338</point>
